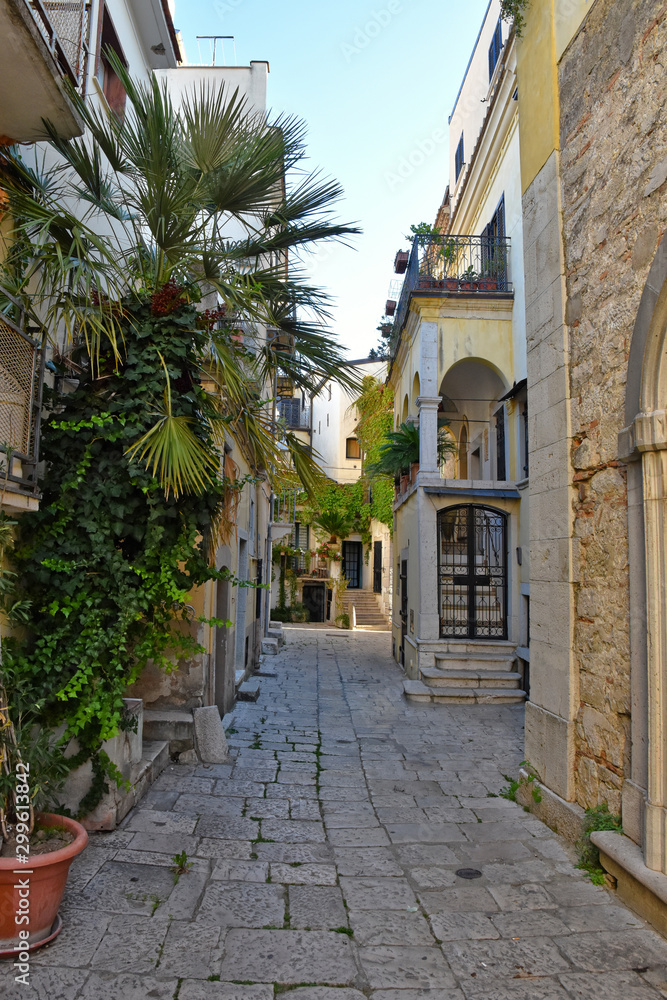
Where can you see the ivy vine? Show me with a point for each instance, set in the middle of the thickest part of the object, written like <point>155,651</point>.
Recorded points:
<point>109,560</point>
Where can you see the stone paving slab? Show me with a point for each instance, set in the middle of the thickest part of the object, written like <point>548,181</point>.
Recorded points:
<point>319,908</point>
<point>43,984</point>
<point>377,893</point>
<point>409,794</point>
<point>290,956</point>
<point>111,986</point>
<point>300,874</point>
<point>372,927</point>
<point>242,904</point>
<point>224,991</point>
<point>403,966</point>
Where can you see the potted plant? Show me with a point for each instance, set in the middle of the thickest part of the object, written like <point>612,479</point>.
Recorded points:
<point>401,262</point>
<point>33,768</point>
<point>469,279</point>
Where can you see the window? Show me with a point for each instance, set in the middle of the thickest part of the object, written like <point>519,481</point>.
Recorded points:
<point>495,47</point>
<point>494,252</point>
<point>112,88</point>
<point>524,450</point>
<point>329,390</point>
<point>352,448</point>
<point>327,419</point>
<point>289,411</point>
<point>501,465</point>
<point>458,158</point>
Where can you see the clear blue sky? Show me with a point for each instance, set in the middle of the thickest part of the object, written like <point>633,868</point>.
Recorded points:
<point>373,81</point>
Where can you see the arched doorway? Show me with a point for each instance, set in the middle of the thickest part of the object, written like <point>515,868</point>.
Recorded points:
<point>472,572</point>
<point>643,444</point>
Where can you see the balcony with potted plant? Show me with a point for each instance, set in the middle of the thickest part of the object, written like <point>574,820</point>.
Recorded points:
<point>454,265</point>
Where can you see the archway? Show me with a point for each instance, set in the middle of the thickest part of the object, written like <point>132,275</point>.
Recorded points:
<point>470,391</point>
<point>415,392</point>
<point>643,443</point>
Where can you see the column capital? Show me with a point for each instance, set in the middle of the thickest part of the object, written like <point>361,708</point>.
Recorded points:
<point>647,432</point>
<point>428,402</point>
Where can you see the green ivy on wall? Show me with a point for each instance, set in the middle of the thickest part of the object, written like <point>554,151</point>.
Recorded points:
<point>108,560</point>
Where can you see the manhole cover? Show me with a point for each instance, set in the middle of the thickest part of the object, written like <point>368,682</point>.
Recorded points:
<point>469,873</point>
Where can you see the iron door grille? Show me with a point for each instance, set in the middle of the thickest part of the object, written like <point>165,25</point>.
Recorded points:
<point>472,568</point>
<point>20,398</point>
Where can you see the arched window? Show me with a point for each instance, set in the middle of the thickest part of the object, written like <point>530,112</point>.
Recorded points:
<point>472,571</point>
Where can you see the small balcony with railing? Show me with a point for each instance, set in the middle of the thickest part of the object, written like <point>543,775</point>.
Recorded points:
<point>21,376</point>
<point>293,414</point>
<point>45,43</point>
<point>451,266</point>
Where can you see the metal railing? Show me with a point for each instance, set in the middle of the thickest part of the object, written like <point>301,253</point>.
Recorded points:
<point>21,378</point>
<point>293,414</point>
<point>284,506</point>
<point>454,265</point>
<point>65,26</point>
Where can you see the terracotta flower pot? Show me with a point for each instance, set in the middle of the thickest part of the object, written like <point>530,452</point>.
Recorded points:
<point>46,875</point>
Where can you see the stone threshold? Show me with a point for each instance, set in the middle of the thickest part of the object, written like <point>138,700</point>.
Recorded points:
<point>641,888</point>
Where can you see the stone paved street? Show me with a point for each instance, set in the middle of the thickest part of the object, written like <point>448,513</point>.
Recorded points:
<point>324,862</point>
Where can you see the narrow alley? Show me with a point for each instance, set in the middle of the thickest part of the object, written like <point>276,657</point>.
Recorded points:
<point>355,842</point>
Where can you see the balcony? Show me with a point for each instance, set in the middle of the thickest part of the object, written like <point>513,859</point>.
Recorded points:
<point>45,43</point>
<point>21,375</point>
<point>439,265</point>
<point>293,415</point>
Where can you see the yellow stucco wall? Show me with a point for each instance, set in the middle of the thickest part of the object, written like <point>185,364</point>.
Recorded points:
<point>550,27</point>
<point>538,90</point>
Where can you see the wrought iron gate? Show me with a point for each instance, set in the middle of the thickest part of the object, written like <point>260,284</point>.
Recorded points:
<point>472,568</point>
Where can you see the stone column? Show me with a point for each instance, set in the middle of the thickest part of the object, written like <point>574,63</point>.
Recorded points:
<point>652,441</point>
<point>428,433</point>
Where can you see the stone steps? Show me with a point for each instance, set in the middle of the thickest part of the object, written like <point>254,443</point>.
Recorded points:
<point>367,610</point>
<point>418,691</point>
<point>470,678</point>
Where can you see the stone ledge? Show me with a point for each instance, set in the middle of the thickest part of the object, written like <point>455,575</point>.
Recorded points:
<point>641,888</point>
<point>565,818</point>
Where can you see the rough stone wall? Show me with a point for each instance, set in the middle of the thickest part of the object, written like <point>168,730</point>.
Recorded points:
<point>613,87</point>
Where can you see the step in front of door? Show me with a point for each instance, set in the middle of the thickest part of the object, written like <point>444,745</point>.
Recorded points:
<point>470,678</point>
<point>418,691</point>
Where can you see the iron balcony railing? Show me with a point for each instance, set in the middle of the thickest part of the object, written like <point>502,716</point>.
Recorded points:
<point>21,378</point>
<point>293,414</point>
<point>65,27</point>
<point>454,265</point>
<point>284,506</point>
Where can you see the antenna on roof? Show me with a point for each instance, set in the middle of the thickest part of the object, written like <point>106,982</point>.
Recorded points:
<point>213,44</point>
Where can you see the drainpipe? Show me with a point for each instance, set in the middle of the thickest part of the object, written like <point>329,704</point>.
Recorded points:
<point>272,497</point>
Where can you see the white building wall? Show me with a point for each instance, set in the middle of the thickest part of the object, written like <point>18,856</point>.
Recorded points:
<point>335,420</point>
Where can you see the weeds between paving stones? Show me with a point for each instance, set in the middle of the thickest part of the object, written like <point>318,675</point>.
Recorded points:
<point>343,930</point>
<point>597,818</point>
<point>181,865</point>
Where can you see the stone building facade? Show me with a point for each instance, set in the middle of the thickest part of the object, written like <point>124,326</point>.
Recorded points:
<point>594,167</point>
<point>612,112</point>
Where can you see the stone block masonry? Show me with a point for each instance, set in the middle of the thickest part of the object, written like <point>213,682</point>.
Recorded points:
<point>613,94</point>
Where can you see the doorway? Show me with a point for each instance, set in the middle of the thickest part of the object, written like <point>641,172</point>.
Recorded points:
<point>377,567</point>
<point>352,556</point>
<point>313,601</point>
<point>472,557</point>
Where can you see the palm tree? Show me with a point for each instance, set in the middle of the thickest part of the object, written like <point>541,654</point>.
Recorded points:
<point>149,209</point>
